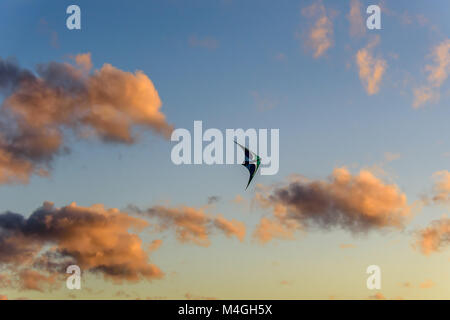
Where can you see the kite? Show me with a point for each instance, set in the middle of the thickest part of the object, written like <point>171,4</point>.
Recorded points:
<point>251,162</point>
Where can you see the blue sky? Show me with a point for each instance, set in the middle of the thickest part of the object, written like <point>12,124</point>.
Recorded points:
<point>250,55</point>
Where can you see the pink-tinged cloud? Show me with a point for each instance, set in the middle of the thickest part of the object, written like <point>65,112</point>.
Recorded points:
<point>437,74</point>
<point>355,17</point>
<point>378,296</point>
<point>371,68</point>
<point>427,284</point>
<point>320,34</point>
<point>230,227</point>
<point>191,225</point>
<point>347,246</point>
<point>358,203</point>
<point>34,280</point>
<point>39,108</point>
<point>269,229</point>
<point>434,237</point>
<point>441,188</point>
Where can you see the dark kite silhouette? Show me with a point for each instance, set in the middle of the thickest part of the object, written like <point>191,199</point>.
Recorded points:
<point>252,162</point>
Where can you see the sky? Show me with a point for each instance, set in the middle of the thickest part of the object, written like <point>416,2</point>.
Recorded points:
<point>86,176</point>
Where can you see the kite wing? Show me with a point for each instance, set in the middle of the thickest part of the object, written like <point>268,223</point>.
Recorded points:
<point>251,162</point>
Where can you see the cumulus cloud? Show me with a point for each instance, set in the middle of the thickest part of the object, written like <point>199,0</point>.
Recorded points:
<point>358,203</point>
<point>191,224</point>
<point>437,75</point>
<point>435,237</point>
<point>357,25</point>
<point>97,239</point>
<point>320,33</point>
<point>371,69</point>
<point>269,229</point>
<point>40,107</point>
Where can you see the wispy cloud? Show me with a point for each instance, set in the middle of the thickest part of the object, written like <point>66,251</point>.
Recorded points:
<point>347,246</point>
<point>191,225</point>
<point>437,75</point>
<point>357,25</point>
<point>427,284</point>
<point>320,33</point>
<point>434,237</point>
<point>371,69</point>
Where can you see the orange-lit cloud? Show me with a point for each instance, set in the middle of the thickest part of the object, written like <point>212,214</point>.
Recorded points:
<point>34,280</point>
<point>357,203</point>
<point>441,188</point>
<point>320,33</point>
<point>435,237</point>
<point>97,239</point>
<point>378,296</point>
<point>3,297</point>
<point>191,224</point>
<point>371,69</point>
<point>357,25</point>
<point>427,284</point>
<point>230,227</point>
<point>38,108</point>
<point>347,246</point>
<point>437,75</point>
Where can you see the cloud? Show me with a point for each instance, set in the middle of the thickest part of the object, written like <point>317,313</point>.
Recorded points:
<point>358,203</point>
<point>213,199</point>
<point>441,188</point>
<point>40,108</point>
<point>269,229</point>
<point>347,246</point>
<point>427,284</point>
<point>378,296</point>
<point>206,42</point>
<point>371,69</point>
<point>320,33</point>
<point>190,296</point>
<point>230,227</point>
<point>264,103</point>
<point>34,280</point>
<point>44,28</point>
<point>433,238</point>
<point>437,75</point>
<point>191,225</point>
<point>3,297</point>
<point>389,156</point>
<point>357,25</point>
<point>406,284</point>
<point>97,239</point>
